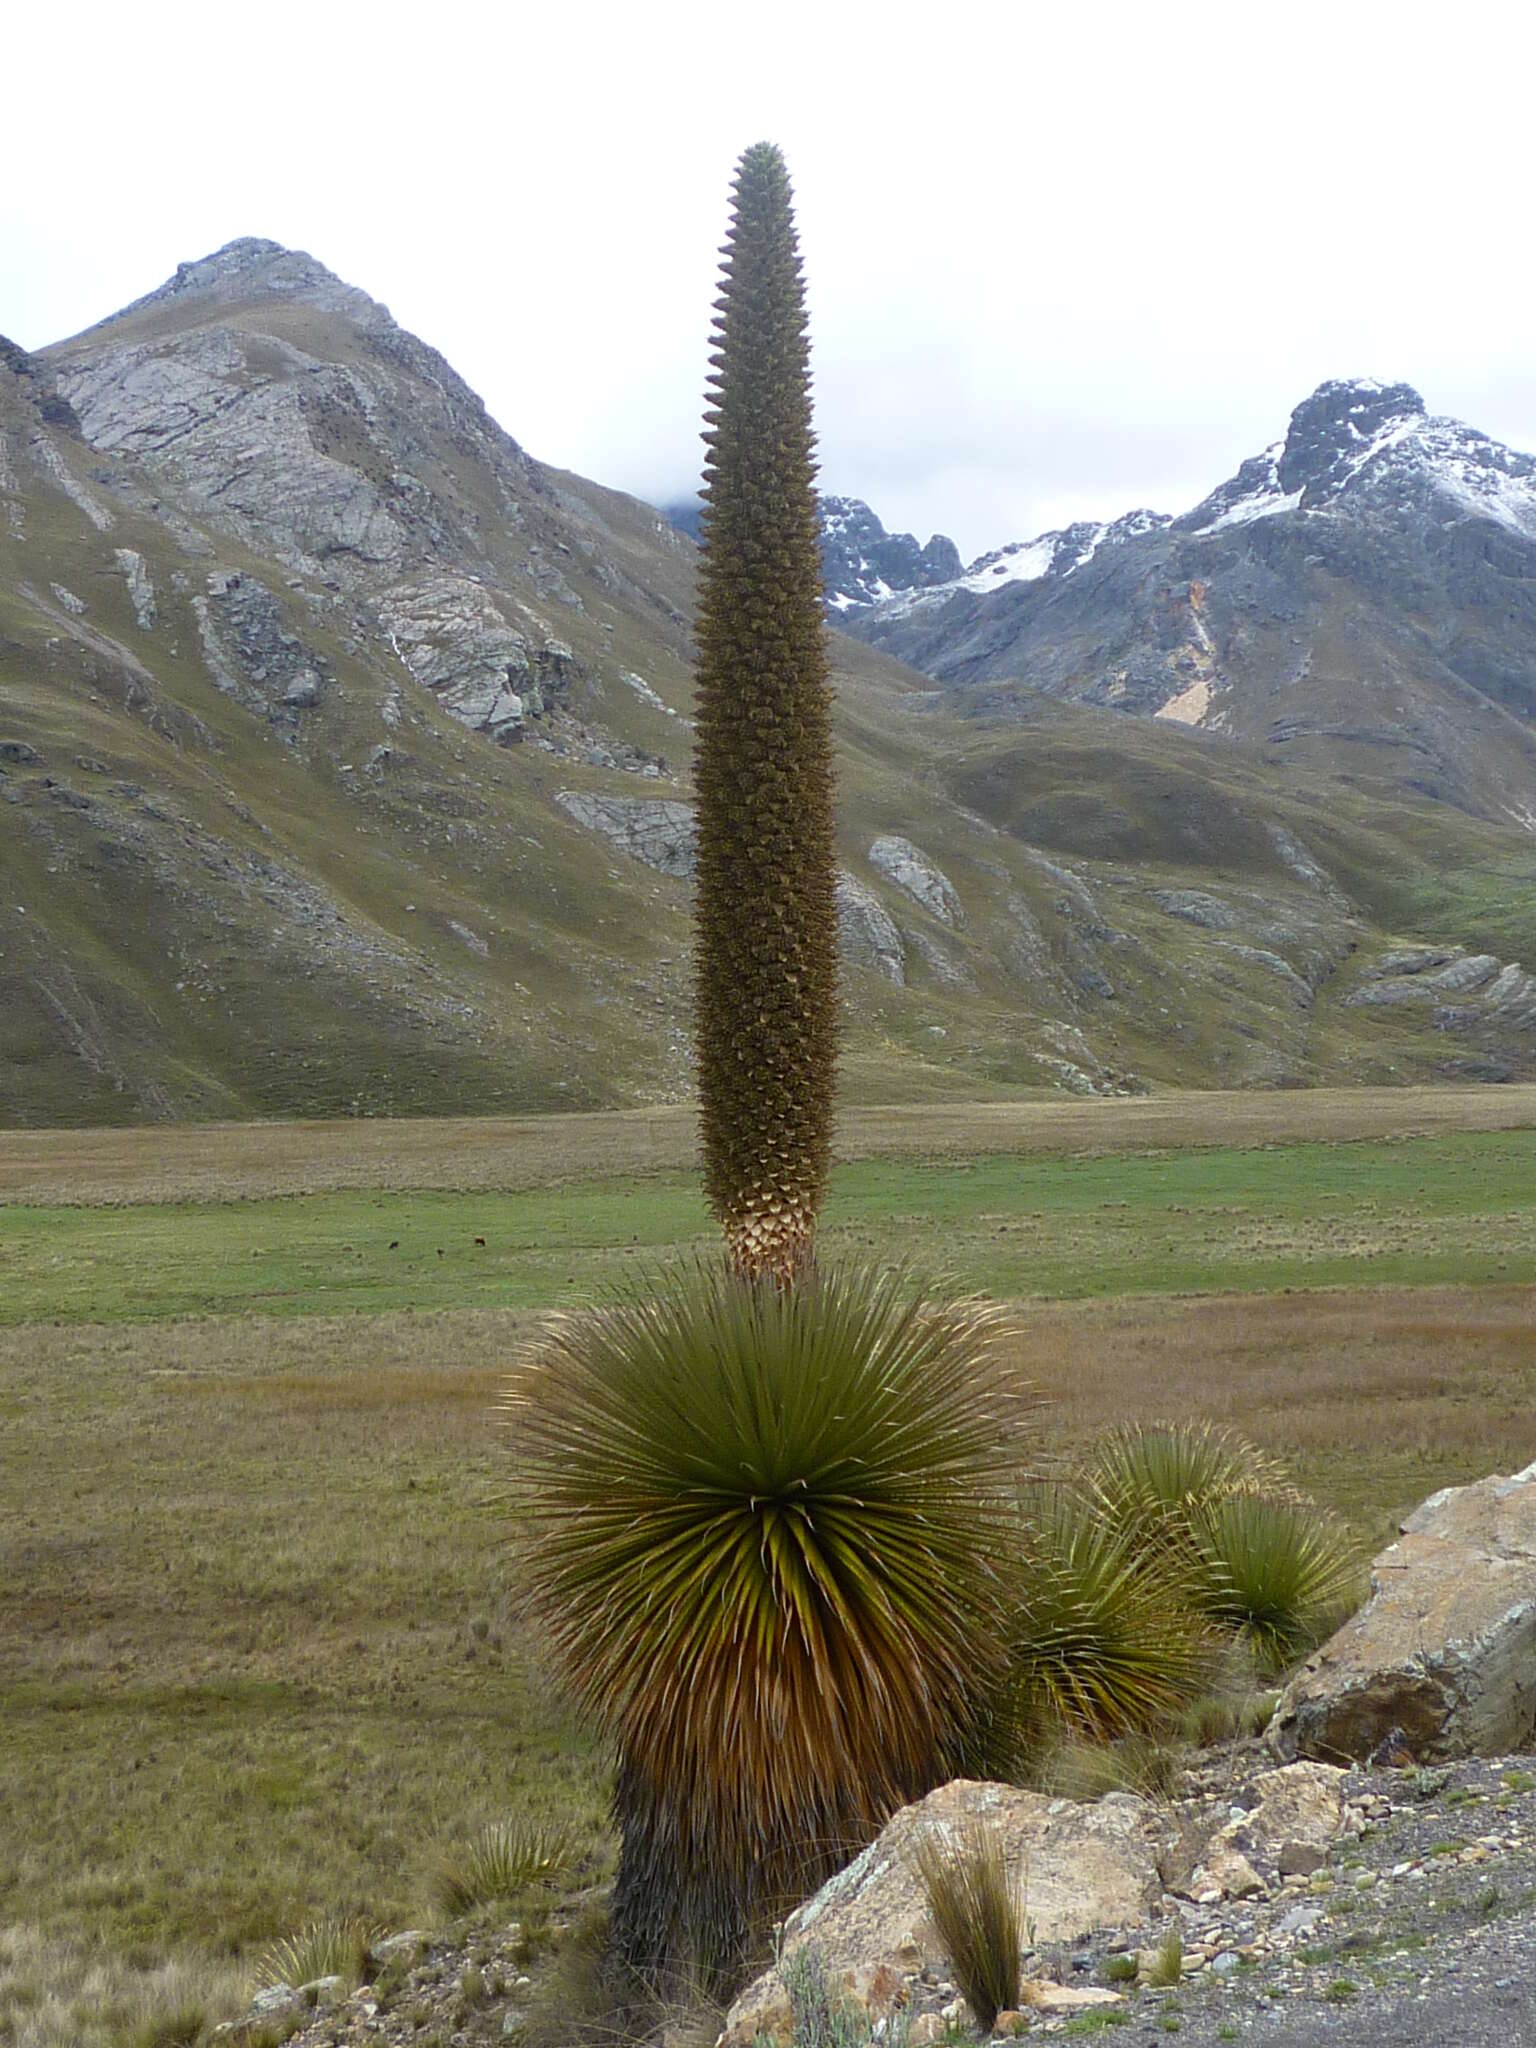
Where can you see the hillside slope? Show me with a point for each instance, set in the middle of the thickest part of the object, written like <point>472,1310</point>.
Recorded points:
<point>344,766</point>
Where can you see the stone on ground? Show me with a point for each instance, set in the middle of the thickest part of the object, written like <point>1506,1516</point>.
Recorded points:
<point>1441,1660</point>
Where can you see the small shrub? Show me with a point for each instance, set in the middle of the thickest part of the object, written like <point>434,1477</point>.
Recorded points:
<point>1152,1483</point>
<point>1120,1970</point>
<point>506,1860</point>
<point>821,2018</point>
<point>1258,1558</point>
<point>1167,1961</point>
<point>978,1913</point>
<point>179,2029</point>
<point>334,1946</point>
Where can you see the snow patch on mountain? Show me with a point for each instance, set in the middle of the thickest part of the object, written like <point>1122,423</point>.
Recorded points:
<point>1058,554</point>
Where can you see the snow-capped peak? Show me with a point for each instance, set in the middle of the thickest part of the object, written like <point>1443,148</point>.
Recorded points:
<point>1057,554</point>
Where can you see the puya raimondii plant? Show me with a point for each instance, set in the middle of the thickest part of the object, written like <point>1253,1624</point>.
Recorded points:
<point>766,938</point>
<point>767,1506</point>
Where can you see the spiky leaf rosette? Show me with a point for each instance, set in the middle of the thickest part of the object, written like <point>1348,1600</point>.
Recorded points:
<point>766,958</point>
<point>1106,1640</point>
<point>1150,1483</point>
<point>768,1536</point>
<point>1281,1572</point>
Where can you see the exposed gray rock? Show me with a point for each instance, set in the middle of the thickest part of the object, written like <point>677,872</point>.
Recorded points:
<point>651,829</point>
<point>1444,1652</point>
<point>1259,956</point>
<point>1288,1818</point>
<point>251,655</point>
<point>453,636</point>
<point>141,590</point>
<point>1299,863</point>
<point>75,606</point>
<point>1428,976</point>
<point>1075,898</point>
<point>253,452</point>
<point>862,563</point>
<point>1194,906</point>
<point>1410,960</point>
<point>1082,1866</point>
<point>910,869</point>
<point>303,693</point>
<point>866,930</point>
<point>86,501</point>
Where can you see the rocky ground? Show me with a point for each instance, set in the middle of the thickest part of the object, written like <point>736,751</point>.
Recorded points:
<point>1418,1926</point>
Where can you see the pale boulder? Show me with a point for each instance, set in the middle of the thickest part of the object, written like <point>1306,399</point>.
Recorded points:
<point>1443,1654</point>
<point>1079,1868</point>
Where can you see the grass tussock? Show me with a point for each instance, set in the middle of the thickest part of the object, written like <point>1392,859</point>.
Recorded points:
<point>504,1862</point>
<point>977,1910</point>
<point>1167,1963</point>
<point>335,1945</point>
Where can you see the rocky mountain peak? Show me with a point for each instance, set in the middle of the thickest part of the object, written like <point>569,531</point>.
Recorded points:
<point>863,563</point>
<point>1335,430</point>
<point>252,267</point>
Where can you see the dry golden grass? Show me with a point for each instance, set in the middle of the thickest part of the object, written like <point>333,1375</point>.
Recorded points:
<point>74,1994</point>
<point>232,1162</point>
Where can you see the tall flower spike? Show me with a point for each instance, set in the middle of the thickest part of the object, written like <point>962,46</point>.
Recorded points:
<point>766,1002</point>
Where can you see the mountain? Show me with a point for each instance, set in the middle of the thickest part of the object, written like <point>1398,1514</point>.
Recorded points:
<point>344,765</point>
<point>1361,594</point>
<point>861,563</point>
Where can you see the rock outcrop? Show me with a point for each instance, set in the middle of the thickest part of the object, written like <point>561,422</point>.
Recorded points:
<point>1082,1866</point>
<point>662,834</point>
<point>910,869</point>
<point>1441,1660</point>
<point>867,931</point>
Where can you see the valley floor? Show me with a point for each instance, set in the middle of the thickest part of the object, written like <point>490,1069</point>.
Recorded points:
<point>260,1652</point>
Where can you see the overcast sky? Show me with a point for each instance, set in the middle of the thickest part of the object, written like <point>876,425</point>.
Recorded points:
<point>1061,260</point>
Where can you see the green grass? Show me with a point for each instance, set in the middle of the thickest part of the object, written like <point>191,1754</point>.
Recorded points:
<point>1457,1208</point>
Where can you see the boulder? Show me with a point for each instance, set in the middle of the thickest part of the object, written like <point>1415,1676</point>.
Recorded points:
<point>1444,1652</point>
<point>1079,1867</point>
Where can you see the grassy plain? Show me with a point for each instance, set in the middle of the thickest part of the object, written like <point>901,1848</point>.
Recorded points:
<point>259,1646</point>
